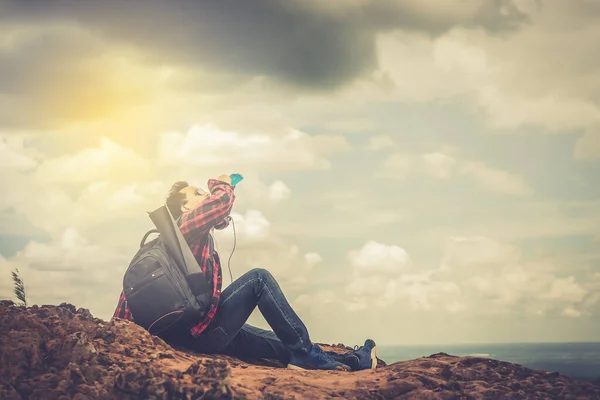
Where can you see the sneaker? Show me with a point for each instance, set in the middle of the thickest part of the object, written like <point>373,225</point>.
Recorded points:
<point>349,358</point>
<point>367,355</point>
<point>315,359</point>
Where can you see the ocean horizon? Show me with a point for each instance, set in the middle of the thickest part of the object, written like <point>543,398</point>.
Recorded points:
<point>578,360</point>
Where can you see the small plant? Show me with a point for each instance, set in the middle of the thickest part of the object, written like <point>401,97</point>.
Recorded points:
<point>19,287</point>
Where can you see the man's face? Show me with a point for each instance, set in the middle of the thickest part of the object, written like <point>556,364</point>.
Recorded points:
<point>193,196</point>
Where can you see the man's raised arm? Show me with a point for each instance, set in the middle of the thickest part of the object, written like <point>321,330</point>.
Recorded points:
<point>210,212</point>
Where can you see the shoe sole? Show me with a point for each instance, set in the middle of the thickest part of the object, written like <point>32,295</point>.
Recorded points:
<point>374,357</point>
<point>297,368</point>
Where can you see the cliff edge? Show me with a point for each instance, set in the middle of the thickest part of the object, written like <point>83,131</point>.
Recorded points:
<point>60,352</point>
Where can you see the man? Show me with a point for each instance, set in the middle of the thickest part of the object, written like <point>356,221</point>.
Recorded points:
<point>224,329</point>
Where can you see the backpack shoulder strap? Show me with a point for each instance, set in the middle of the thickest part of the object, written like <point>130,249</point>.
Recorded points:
<point>143,242</point>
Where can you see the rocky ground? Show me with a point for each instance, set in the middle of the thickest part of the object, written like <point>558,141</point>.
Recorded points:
<point>59,352</point>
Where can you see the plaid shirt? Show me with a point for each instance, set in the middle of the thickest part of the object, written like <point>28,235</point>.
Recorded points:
<point>195,227</point>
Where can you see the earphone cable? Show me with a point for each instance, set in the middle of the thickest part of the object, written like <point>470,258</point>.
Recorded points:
<point>232,250</point>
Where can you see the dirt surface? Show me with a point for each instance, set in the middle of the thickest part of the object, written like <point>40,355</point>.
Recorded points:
<point>60,352</point>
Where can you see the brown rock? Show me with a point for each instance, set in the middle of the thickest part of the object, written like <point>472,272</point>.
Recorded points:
<point>61,352</point>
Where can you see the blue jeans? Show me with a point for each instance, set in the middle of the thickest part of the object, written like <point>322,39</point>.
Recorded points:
<point>229,334</point>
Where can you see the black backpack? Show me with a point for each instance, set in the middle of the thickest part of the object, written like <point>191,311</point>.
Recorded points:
<point>165,287</point>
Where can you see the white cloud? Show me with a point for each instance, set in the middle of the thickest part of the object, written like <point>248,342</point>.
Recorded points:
<point>507,77</point>
<point>356,305</point>
<point>397,166</point>
<point>588,146</point>
<point>383,275</point>
<point>305,302</point>
<point>18,158</point>
<point>377,258</point>
<point>108,161</point>
<point>441,166</point>
<point>97,203</point>
<point>565,289</point>
<point>6,283</point>
<point>15,155</point>
<point>210,146</point>
<point>477,252</point>
<point>110,201</point>
<point>496,180</point>
<point>258,247</point>
<point>571,312</point>
<point>423,293</point>
<point>495,278</point>
<point>380,142</point>
<point>69,252</point>
<point>438,165</point>
<point>94,209</point>
<point>382,278</point>
<point>70,269</point>
<point>278,191</point>
<point>476,274</point>
<point>312,259</point>
<point>251,226</point>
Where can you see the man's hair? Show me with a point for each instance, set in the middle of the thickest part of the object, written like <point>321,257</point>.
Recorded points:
<point>175,199</point>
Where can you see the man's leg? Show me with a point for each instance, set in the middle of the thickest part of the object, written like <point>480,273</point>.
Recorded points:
<point>252,342</point>
<point>255,288</point>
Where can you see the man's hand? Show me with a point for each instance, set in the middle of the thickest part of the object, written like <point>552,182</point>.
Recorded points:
<point>225,178</point>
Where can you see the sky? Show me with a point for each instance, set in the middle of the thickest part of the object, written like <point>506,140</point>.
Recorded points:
<point>415,171</point>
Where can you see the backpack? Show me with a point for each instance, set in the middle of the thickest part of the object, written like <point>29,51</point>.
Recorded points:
<point>165,287</point>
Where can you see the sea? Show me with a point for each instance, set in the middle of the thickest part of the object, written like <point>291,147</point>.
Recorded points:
<point>575,360</point>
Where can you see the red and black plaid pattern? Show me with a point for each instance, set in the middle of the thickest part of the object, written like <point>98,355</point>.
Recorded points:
<point>122,310</point>
<point>195,227</point>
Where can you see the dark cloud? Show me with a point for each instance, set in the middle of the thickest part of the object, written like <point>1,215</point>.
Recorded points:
<point>291,41</point>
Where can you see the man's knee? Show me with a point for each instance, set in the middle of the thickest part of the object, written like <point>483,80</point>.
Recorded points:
<point>261,273</point>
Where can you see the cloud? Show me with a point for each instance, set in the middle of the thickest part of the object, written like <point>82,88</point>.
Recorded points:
<point>67,253</point>
<point>588,146</point>
<point>476,252</point>
<point>376,257</point>
<point>265,99</point>
<point>114,201</point>
<point>252,225</point>
<point>254,193</point>
<point>210,146</point>
<point>441,166</point>
<point>438,165</point>
<point>384,276</point>
<point>54,73</point>
<point>476,275</point>
<point>506,77</point>
<point>496,180</point>
<point>109,182</point>
<point>94,213</point>
<point>380,142</point>
<point>571,312</point>
<point>278,191</point>
<point>396,166</point>
<point>108,161</point>
<point>69,269</point>
<point>15,154</point>
<point>266,38</point>
<point>6,282</point>
<point>94,186</point>
<point>496,278</point>
<point>259,246</point>
<point>312,259</point>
